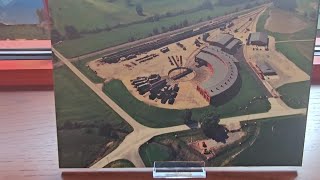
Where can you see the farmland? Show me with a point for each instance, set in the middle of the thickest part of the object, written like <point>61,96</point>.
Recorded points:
<point>79,117</point>
<point>98,32</point>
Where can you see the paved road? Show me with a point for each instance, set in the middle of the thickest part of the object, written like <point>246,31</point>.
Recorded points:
<point>129,148</point>
<point>135,125</point>
<point>300,40</point>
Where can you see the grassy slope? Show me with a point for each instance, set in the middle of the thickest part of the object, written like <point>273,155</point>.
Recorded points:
<point>292,53</point>
<point>154,152</point>
<point>76,103</point>
<point>281,147</point>
<point>94,42</point>
<point>23,32</point>
<point>296,95</point>
<point>66,15</point>
<point>158,117</point>
<point>122,163</point>
<point>67,12</point>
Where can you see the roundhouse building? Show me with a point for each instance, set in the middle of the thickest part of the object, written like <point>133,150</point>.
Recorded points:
<point>224,81</point>
<point>258,39</point>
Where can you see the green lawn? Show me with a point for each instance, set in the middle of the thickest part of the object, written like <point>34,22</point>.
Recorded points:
<point>158,117</point>
<point>23,32</point>
<point>122,163</point>
<point>154,152</point>
<point>88,72</point>
<point>295,95</point>
<point>280,143</point>
<point>67,12</point>
<point>305,5</point>
<point>76,102</point>
<point>80,142</point>
<point>292,53</point>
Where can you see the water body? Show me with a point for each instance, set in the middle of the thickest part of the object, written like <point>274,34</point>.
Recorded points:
<point>19,11</point>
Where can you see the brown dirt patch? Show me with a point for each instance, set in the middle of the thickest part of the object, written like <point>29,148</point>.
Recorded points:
<point>284,22</point>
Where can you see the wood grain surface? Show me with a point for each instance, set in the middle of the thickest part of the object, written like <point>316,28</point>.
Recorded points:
<point>28,144</point>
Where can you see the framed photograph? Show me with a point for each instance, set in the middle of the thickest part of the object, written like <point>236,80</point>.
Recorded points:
<point>225,82</point>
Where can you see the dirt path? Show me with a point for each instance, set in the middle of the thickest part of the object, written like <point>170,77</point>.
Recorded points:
<point>300,40</point>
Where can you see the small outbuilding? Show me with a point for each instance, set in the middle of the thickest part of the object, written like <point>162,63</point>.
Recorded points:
<point>259,39</point>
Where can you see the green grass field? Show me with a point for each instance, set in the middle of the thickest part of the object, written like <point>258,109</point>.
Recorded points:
<point>107,13</point>
<point>307,5</point>
<point>80,142</point>
<point>292,53</point>
<point>82,66</point>
<point>23,32</point>
<point>158,117</point>
<point>296,95</point>
<point>280,143</point>
<point>154,152</point>
<point>122,163</point>
<point>76,102</point>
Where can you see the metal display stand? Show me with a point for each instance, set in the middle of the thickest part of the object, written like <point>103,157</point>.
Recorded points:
<point>179,169</point>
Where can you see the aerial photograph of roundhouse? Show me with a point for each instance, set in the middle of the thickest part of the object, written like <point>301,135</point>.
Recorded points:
<point>219,81</point>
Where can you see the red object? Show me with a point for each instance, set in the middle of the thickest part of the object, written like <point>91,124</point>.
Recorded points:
<point>26,74</point>
<point>25,44</point>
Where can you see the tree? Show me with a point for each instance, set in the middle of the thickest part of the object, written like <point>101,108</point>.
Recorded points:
<point>56,36</point>
<point>156,17</point>
<point>164,29</point>
<point>40,15</point>
<point>105,130</point>
<point>129,3</point>
<point>71,32</point>
<point>188,115</point>
<point>155,31</point>
<point>207,5</point>
<point>139,9</point>
<point>285,4</point>
<point>185,23</point>
<point>212,129</point>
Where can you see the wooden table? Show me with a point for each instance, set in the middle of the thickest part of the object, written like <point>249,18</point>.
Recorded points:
<point>28,143</point>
